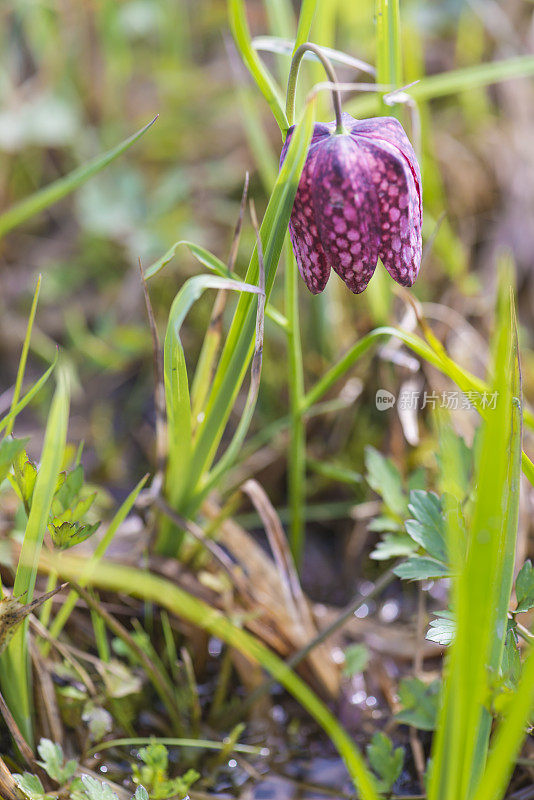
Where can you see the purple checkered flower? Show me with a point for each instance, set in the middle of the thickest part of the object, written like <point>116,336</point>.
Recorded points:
<point>359,199</point>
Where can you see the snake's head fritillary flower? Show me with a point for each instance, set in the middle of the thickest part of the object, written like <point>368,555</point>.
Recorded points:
<point>359,199</point>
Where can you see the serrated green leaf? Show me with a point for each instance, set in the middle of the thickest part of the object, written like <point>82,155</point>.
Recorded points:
<point>524,587</point>
<point>31,786</point>
<point>9,450</point>
<point>385,479</point>
<point>385,760</point>
<point>71,486</point>
<point>428,527</point>
<point>418,568</point>
<point>68,534</point>
<point>53,761</point>
<point>97,790</point>
<point>383,523</point>
<point>419,703</point>
<point>82,507</point>
<point>393,545</point>
<point>441,630</point>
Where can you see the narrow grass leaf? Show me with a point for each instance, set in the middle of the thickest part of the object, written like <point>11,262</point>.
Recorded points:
<point>23,357</point>
<point>264,80</point>
<point>306,15</point>
<point>14,676</point>
<point>240,340</point>
<point>201,254</point>
<point>61,188</point>
<point>176,379</point>
<point>452,82</point>
<point>461,746</point>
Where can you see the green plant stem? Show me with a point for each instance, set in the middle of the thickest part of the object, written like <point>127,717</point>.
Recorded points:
<point>204,744</point>
<point>297,433</point>
<point>23,358</point>
<point>292,82</point>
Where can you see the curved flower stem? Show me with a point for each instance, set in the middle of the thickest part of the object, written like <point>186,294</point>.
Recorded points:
<point>292,82</point>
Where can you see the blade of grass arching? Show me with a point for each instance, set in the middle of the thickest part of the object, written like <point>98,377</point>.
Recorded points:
<point>452,82</point>
<point>231,453</point>
<point>23,359</point>
<point>178,404</point>
<point>461,747</point>
<point>200,253</point>
<point>91,564</point>
<point>297,433</point>
<point>262,77</point>
<point>213,263</point>
<point>151,588</point>
<point>15,675</point>
<point>239,343</point>
<point>61,188</point>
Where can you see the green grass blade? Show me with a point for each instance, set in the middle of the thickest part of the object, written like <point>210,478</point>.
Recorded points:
<point>307,13</point>
<point>262,77</point>
<point>453,82</point>
<point>177,383</point>
<point>153,589</point>
<point>56,191</point>
<point>479,600</point>
<point>15,676</point>
<point>28,397</point>
<point>23,358</point>
<point>388,45</point>
<point>240,340</point>
<point>508,737</point>
<point>213,263</point>
<point>201,254</point>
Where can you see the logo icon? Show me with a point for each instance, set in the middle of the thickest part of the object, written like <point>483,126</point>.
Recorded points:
<point>384,399</point>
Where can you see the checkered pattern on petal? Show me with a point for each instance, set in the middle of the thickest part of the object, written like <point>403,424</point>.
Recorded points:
<point>305,238</point>
<point>390,130</point>
<point>346,210</point>
<point>398,210</point>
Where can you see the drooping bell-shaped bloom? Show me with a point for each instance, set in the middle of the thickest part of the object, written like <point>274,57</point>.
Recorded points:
<point>359,199</point>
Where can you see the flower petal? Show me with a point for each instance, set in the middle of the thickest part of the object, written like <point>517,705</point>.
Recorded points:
<point>346,210</point>
<point>390,130</point>
<point>311,259</point>
<point>399,209</point>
